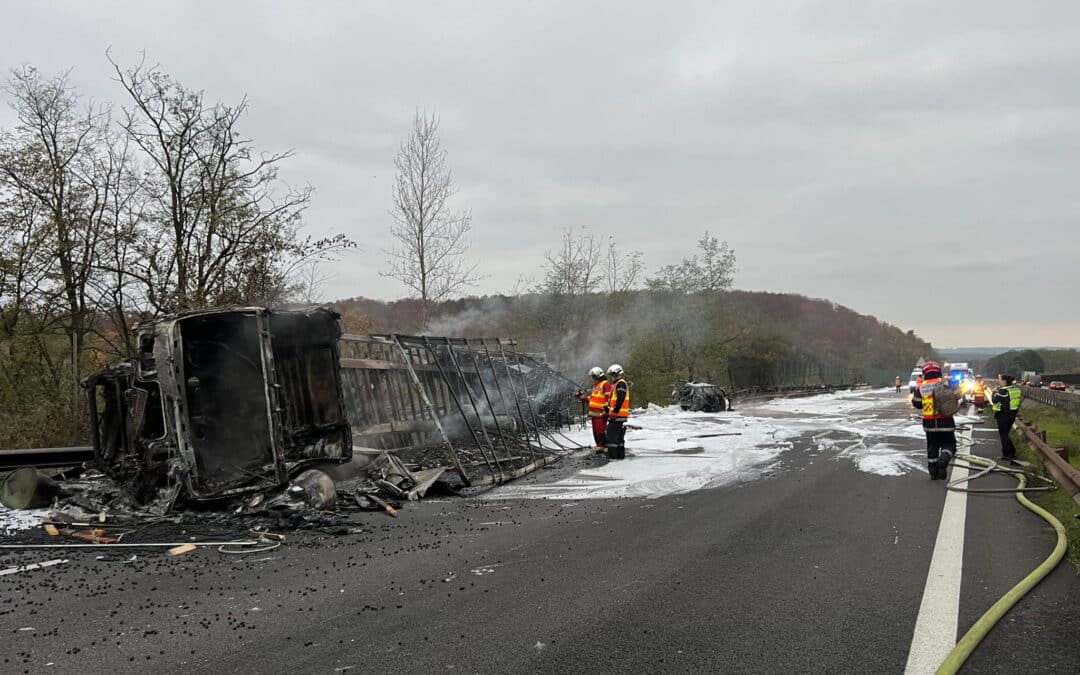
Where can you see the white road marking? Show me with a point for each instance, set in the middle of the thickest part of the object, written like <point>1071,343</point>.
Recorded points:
<point>936,627</point>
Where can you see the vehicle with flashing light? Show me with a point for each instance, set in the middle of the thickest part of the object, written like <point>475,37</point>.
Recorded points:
<point>962,378</point>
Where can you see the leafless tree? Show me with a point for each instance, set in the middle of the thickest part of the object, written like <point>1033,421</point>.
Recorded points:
<point>431,237</point>
<point>623,269</point>
<point>47,160</point>
<point>574,268</point>
<point>220,229</point>
<point>571,273</point>
<point>310,282</point>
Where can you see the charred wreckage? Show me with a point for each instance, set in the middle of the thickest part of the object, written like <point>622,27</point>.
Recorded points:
<point>257,406</point>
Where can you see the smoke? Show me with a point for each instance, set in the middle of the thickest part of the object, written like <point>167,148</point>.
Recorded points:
<point>488,319</point>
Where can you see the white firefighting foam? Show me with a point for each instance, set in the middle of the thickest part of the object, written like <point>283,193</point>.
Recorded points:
<point>676,451</point>
<point>13,521</point>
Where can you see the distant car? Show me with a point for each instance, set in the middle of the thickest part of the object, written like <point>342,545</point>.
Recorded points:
<point>913,382</point>
<point>700,397</point>
<point>1058,385</point>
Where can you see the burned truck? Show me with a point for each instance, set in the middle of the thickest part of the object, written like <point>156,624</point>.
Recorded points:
<point>700,397</point>
<point>221,402</point>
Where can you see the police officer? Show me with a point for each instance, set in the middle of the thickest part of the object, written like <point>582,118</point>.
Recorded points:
<point>1006,404</point>
<point>618,412</point>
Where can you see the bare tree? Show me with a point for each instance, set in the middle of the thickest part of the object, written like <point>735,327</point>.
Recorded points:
<point>623,269</point>
<point>310,282</point>
<point>48,160</point>
<point>573,269</point>
<point>431,237</point>
<point>220,228</point>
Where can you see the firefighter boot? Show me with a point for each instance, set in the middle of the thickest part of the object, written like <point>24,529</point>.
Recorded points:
<point>931,467</point>
<point>943,464</point>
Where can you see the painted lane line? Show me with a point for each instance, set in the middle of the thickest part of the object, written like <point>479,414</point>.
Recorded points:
<point>937,623</point>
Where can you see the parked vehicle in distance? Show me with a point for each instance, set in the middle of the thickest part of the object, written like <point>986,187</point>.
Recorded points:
<point>700,397</point>
<point>1058,385</point>
<point>915,375</point>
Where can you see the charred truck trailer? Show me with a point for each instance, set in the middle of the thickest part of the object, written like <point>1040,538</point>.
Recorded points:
<point>221,402</point>
<point>224,402</point>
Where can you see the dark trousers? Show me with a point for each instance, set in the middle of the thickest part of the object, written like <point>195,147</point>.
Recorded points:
<point>1004,425</point>
<point>599,431</point>
<point>936,441</point>
<point>616,431</point>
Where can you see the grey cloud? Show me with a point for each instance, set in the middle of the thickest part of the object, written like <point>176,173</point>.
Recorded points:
<point>842,148</point>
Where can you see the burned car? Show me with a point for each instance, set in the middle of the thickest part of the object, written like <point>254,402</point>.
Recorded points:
<point>221,402</point>
<point>700,397</point>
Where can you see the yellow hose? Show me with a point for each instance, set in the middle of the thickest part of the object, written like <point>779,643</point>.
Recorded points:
<point>987,621</point>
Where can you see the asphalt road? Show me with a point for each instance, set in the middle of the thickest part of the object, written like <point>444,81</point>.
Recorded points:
<point>816,567</point>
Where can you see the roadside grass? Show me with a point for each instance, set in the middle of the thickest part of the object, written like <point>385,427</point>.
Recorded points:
<point>1062,430</point>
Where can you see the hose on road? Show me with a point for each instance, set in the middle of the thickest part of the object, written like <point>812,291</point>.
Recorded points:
<point>989,619</point>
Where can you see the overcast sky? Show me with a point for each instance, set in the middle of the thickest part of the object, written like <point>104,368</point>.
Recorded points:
<point>846,150</point>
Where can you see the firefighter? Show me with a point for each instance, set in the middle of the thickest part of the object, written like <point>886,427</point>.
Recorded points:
<point>897,384</point>
<point>1006,404</point>
<point>598,407</point>
<point>979,394</point>
<point>940,429</point>
<point>618,412</point>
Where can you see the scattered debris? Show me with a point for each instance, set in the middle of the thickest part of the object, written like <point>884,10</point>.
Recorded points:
<point>32,566</point>
<point>686,438</point>
<point>182,549</point>
<point>275,419</point>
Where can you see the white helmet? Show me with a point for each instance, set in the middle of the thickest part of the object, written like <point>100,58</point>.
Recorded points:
<point>596,373</point>
<point>615,369</point>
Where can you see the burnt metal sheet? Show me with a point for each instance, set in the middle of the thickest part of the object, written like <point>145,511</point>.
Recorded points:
<point>471,404</point>
<point>222,402</point>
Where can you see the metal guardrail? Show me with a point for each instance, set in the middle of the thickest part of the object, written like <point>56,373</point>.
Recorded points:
<point>1059,399</point>
<point>1055,459</point>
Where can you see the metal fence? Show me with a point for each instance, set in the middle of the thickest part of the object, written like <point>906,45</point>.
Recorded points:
<point>473,404</point>
<point>1059,399</point>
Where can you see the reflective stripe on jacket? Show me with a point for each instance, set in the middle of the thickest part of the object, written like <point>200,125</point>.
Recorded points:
<point>1011,394</point>
<point>616,410</point>
<point>598,398</point>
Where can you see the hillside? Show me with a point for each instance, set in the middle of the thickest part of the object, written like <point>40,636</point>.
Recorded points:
<point>738,339</point>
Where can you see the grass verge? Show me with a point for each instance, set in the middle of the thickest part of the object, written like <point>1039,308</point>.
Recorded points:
<point>1061,430</point>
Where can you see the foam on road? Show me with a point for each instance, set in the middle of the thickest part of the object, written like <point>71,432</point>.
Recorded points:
<point>676,451</point>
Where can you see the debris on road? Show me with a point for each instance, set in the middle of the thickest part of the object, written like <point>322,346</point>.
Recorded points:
<point>32,566</point>
<point>275,417</point>
<point>182,549</point>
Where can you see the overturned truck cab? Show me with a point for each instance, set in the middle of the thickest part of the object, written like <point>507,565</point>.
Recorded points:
<point>221,402</point>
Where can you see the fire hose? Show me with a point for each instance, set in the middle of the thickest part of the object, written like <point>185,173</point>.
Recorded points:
<point>967,644</point>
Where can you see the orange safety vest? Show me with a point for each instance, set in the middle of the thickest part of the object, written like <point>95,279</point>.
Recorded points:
<point>624,411</point>
<point>598,399</point>
<point>928,401</point>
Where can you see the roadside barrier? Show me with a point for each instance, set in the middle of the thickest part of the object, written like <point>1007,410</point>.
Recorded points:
<point>1055,459</point>
<point>1059,399</point>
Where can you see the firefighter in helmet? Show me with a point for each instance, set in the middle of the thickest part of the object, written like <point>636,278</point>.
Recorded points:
<point>598,407</point>
<point>618,412</point>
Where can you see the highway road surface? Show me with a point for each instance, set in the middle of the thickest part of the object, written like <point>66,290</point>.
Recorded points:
<point>794,536</point>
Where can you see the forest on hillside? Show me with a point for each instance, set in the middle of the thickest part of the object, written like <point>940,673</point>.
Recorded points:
<point>738,339</point>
